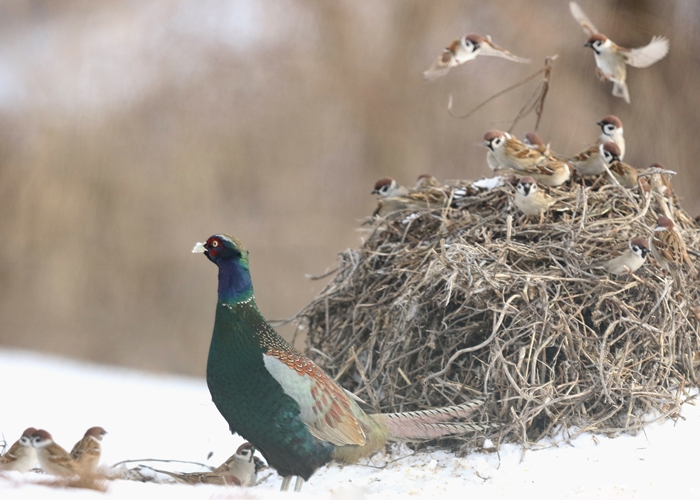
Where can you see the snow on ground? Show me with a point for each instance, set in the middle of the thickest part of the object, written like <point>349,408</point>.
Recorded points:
<point>170,417</point>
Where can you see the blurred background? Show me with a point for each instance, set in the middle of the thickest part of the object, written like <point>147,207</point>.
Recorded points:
<point>131,129</point>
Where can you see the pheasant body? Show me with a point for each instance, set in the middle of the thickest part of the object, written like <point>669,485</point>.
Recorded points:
<point>252,402</point>
<point>280,401</point>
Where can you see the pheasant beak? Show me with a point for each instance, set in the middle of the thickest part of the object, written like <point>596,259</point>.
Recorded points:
<point>199,248</point>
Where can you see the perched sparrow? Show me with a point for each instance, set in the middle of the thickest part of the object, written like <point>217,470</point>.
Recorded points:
<point>625,174</point>
<point>426,181</point>
<point>590,161</point>
<point>660,179</point>
<point>21,456</point>
<point>464,50</point>
<point>629,261</point>
<point>52,458</point>
<point>508,153</point>
<point>86,452</point>
<point>668,247</point>
<point>534,141</point>
<point>388,187</point>
<point>419,200</point>
<point>241,469</point>
<point>243,464</point>
<point>611,126</point>
<point>530,200</point>
<point>612,60</point>
<point>505,151</point>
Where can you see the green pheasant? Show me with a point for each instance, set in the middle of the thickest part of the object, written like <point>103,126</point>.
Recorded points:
<point>280,401</point>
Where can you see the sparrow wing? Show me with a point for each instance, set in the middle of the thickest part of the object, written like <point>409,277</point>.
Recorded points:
<point>488,48</point>
<point>527,156</point>
<point>647,55</point>
<point>582,19</point>
<point>11,454</point>
<point>441,66</point>
<point>325,407</point>
<point>585,155</point>
<point>670,245</point>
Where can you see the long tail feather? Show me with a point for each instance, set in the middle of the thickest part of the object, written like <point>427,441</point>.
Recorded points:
<point>430,424</point>
<point>417,431</point>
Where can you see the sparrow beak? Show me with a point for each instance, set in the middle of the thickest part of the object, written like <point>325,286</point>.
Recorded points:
<point>374,191</point>
<point>600,124</point>
<point>199,248</point>
<point>587,44</point>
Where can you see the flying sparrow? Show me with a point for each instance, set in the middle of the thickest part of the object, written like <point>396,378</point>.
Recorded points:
<point>530,200</point>
<point>21,456</point>
<point>388,187</point>
<point>86,452</point>
<point>668,247</point>
<point>628,261</point>
<point>611,126</point>
<point>611,59</point>
<point>52,458</point>
<point>464,50</point>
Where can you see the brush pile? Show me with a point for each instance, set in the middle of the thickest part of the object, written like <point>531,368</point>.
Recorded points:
<point>440,306</point>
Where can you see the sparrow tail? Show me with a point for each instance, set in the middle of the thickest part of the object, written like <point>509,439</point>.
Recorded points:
<point>620,90</point>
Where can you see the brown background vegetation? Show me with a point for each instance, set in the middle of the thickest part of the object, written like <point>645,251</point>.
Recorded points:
<point>130,130</point>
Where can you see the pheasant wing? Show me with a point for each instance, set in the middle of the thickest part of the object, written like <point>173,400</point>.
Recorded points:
<point>325,407</point>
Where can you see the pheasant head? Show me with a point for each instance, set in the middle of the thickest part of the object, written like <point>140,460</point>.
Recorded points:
<point>231,257</point>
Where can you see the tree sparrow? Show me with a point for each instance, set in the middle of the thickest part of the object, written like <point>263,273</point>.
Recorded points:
<point>530,200</point>
<point>86,452</point>
<point>508,152</point>
<point>611,126</point>
<point>240,469</point>
<point>534,141</point>
<point>21,456</point>
<point>426,181</point>
<point>52,458</point>
<point>243,464</point>
<point>388,187</point>
<point>628,261</point>
<point>668,247</point>
<point>626,175</point>
<point>591,161</point>
<point>464,50</point>
<point>612,60</point>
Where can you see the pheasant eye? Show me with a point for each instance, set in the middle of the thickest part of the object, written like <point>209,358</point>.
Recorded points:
<point>215,243</point>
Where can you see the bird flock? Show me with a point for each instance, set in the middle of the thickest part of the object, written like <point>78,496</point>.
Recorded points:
<point>290,409</point>
<point>535,165</point>
<point>37,446</point>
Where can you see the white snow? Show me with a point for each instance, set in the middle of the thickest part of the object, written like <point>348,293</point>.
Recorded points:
<point>489,183</point>
<point>169,417</point>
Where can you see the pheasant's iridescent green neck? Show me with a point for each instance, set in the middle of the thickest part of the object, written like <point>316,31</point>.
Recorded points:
<point>235,285</point>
